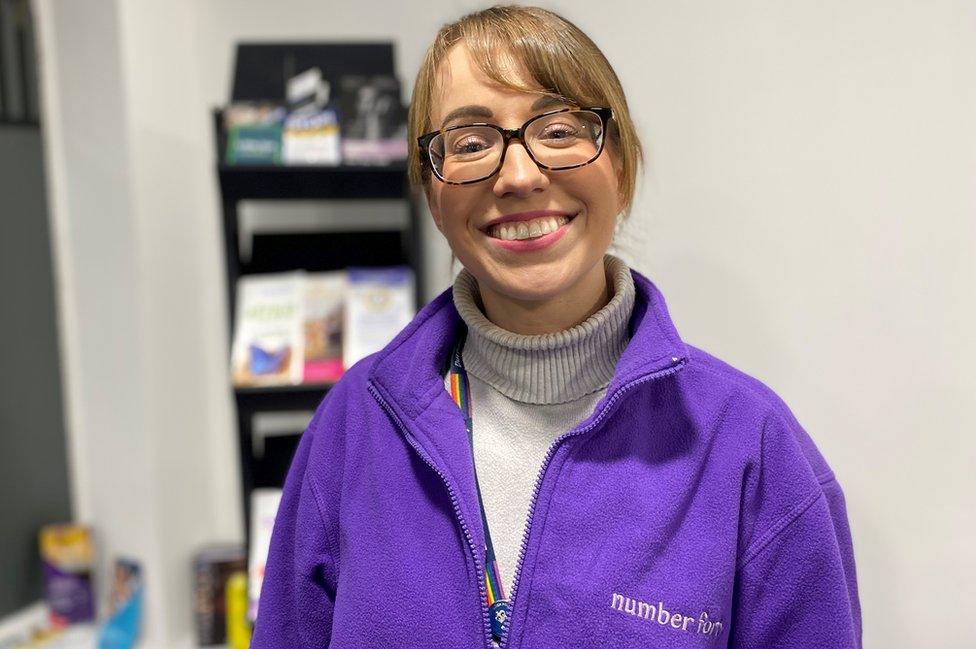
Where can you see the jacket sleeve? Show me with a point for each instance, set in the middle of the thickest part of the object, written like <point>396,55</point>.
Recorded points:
<point>298,590</point>
<point>795,583</point>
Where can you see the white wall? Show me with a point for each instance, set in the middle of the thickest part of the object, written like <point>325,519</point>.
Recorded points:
<point>97,279</point>
<point>811,215</point>
<point>808,212</point>
<point>142,309</point>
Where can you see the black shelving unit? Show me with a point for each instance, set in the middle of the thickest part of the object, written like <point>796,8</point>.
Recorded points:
<point>260,71</point>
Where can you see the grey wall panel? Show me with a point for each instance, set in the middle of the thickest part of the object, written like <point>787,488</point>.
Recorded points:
<point>33,466</point>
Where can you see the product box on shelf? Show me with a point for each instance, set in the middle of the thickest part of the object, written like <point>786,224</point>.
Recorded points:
<point>308,328</point>
<point>268,341</point>
<point>212,567</point>
<point>67,556</point>
<point>379,303</point>
<point>374,120</point>
<point>264,508</point>
<point>254,133</point>
<point>324,296</point>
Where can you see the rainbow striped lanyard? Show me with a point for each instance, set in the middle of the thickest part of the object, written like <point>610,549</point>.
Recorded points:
<point>460,392</point>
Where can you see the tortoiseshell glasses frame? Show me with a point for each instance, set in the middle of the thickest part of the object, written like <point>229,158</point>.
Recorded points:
<point>425,141</point>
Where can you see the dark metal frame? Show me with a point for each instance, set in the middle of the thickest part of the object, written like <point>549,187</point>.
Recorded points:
<point>245,182</point>
<point>509,134</point>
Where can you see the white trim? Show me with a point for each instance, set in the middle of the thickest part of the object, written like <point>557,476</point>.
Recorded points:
<point>21,624</point>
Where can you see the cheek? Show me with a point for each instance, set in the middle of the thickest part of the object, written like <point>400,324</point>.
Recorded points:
<point>598,188</point>
<point>455,206</point>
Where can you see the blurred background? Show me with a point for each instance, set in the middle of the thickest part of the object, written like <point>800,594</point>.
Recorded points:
<point>808,210</point>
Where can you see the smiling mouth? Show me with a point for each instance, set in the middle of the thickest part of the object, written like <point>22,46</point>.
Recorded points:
<point>531,229</point>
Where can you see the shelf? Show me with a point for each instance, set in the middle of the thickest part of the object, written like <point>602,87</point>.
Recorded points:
<point>297,182</point>
<point>281,397</point>
<point>295,241</point>
<point>321,251</point>
<point>284,389</point>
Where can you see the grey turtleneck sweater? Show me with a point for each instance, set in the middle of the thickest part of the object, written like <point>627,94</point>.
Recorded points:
<point>527,390</point>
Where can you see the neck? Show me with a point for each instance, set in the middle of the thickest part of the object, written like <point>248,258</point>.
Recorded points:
<point>563,311</point>
<point>555,367</point>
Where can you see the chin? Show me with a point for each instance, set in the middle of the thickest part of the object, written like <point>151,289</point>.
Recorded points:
<point>531,286</point>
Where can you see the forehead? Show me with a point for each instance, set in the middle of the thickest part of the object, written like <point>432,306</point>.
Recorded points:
<point>460,82</point>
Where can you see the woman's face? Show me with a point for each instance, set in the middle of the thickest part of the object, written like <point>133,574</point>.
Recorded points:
<point>588,196</point>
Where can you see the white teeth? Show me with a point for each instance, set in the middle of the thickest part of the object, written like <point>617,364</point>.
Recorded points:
<point>528,229</point>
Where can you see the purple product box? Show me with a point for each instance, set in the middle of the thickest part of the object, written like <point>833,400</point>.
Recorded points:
<point>66,557</point>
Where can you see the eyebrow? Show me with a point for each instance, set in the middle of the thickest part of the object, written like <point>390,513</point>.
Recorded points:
<point>545,101</point>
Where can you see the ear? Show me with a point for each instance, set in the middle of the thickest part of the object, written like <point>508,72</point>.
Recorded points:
<point>434,206</point>
<point>618,169</point>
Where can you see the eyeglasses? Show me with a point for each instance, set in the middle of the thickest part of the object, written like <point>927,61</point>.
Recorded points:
<point>561,139</point>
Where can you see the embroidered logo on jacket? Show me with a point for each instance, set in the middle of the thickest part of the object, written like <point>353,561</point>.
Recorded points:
<point>671,619</point>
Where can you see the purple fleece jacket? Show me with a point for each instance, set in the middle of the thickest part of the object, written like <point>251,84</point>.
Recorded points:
<point>689,510</point>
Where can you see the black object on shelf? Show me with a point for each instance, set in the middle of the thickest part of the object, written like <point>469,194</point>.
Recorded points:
<point>246,181</point>
<point>261,71</point>
<point>275,253</point>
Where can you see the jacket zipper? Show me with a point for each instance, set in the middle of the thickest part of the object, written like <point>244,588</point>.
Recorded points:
<point>678,363</point>
<point>485,623</point>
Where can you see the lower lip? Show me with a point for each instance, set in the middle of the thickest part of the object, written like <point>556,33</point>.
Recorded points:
<point>529,245</point>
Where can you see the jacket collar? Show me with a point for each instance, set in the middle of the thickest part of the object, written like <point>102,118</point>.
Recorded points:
<point>410,370</point>
<point>408,377</point>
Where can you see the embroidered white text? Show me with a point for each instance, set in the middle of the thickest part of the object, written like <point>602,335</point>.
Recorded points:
<point>672,619</point>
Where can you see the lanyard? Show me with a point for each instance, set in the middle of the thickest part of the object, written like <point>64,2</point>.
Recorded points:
<point>497,604</point>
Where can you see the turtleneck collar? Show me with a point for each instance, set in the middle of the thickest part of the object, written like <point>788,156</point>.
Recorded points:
<point>548,368</point>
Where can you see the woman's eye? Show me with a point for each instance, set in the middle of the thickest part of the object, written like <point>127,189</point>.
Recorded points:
<point>560,132</point>
<point>468,145</point>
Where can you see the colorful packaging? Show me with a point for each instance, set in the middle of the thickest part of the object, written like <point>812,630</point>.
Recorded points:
<point>254,133</point>
<point>212,567</point>
<point>66,555</point>
<point>379,303</point>
<point>268,343</point>
<point>311,139</point>
<point>324,295</point>
<point>374,120</point>
<point>238,625</point>
<point>264,510</point>
<point>124,607</point>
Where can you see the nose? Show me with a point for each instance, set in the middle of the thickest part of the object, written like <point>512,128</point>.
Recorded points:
<point>520,175</point>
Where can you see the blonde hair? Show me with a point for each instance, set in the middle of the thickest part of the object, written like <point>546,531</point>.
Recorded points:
<point>558,57</point>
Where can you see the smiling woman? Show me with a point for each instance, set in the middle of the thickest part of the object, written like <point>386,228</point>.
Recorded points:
<point>556,62</point>
<point>496,68</point>
<point>539,439</point>
<point>540,285</point>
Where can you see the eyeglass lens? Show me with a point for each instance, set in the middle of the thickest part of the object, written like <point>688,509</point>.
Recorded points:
<point>556,141</point>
